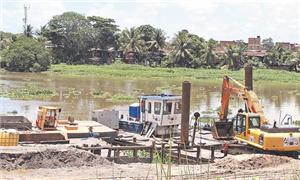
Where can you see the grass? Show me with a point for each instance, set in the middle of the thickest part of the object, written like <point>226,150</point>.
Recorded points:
<point>142,72</point>
<point>115,98</point>
<point>119,98</point>
<point>72,92</point>
<point>28,92</point>
<point>100,94</point>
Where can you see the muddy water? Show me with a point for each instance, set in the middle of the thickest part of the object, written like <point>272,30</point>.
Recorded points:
<point>277,100</point>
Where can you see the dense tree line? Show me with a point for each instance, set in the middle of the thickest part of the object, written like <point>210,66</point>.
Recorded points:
<point>76,39</point>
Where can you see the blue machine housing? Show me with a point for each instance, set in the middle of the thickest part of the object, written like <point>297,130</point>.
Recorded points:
<point>134,111</point>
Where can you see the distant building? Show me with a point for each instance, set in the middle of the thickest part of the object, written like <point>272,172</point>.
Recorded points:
<point>296,47</point>
<point>254,48</point>
<point>289,46</point>
<point>254,44</point>
<point>285,45</point>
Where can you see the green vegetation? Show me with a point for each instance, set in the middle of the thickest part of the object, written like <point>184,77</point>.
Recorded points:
<point>72,92</point>
<point>26,55</point>
<point>142,72</point>
<point>100,94</point>
<point>120,97</point>
<point>77,39</point>
<point>115,98</point>
<point>28,92</point>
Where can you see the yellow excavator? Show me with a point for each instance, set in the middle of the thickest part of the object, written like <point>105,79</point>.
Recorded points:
<point>48,119</point>
<point>251,125</point>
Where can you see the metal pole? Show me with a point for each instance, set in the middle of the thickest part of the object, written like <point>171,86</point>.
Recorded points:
<point>197,115</point>
<point>249,77</point>
<point>185,112</point>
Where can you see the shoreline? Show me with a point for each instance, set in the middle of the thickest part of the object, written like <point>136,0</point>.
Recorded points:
<point>123,71</point>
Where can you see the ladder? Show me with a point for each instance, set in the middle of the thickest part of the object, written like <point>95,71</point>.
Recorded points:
<point>151,130</point>
<point>146,128</point>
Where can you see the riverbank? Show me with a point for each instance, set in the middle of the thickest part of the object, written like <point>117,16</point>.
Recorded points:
<point>142,72</point>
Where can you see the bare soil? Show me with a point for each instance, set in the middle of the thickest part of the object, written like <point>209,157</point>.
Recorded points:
<point>251,163</point>
<point>50,159</point>
<point>77,164</point>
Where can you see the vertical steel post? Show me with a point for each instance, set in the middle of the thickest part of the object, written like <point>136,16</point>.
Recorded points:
<point>185,112</point>
<point>249,77</point>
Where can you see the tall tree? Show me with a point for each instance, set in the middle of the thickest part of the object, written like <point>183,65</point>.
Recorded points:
<point>28,32</point>
<point>267,44</point>
<point>131,44</point>
<point>182,49</point>
<point>27,55</point>
<point>146,32</point>
<point>209,56</point>
<point>234,57</point>
<point>159,40</point>
<point>155,48</point>
<point>70,34</point>
<point>104,32</point>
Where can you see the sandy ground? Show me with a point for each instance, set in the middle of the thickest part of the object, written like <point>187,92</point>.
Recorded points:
<point>287,170</point>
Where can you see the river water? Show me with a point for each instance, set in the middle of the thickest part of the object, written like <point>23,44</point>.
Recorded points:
<point>277,99</point>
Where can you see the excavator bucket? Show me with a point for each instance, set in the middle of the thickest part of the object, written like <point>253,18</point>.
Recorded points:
<point>222,130</point>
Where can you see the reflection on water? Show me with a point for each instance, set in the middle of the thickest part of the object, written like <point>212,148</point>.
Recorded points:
<point>206,96</point>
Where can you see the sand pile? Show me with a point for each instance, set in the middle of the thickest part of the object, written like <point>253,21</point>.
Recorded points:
<point>254,162</point>
<point>51,159</point>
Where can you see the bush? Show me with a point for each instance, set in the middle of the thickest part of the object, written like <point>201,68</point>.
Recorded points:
<point>26,55</point>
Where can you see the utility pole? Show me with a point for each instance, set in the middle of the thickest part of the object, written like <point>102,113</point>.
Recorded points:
<point>25,18</point>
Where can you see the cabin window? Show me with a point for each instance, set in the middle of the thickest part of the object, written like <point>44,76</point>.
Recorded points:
<point>240,124</point>
<point>157,107</point>
<point>149,107</point>
<point>177,108</point>
<point>168,108</point>
<point>254,122</point>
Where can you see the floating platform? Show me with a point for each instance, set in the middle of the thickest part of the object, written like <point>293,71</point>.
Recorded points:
<point>63,132</point>
<point>88,129</point>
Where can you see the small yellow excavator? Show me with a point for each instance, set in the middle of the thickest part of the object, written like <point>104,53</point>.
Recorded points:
<point>250,125</point>
<point>48,119</point>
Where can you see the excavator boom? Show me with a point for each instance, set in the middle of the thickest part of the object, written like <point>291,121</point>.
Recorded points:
<point>233,87</point>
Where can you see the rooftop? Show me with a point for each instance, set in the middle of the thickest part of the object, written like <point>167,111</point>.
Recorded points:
<point>161,97</point>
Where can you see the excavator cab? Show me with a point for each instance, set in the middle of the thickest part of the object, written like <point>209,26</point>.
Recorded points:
<point>47,117</point>
<point>243,122</point>
<point>238,126</point>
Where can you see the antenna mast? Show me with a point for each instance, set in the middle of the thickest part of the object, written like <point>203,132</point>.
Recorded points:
<point>25,18</point>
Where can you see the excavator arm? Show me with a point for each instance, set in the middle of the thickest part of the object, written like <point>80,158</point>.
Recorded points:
<point>233,87</point>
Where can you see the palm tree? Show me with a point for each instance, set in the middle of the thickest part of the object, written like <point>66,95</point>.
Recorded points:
<point>131,43</point>
<point>182,49</point>
<point>155,48</point>
<point>208,55</point>
<point>158,42</point>
<point>233,57</point>
<point>28,31</point>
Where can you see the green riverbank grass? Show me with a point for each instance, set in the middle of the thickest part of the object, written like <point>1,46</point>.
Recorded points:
<point>27,93</point>
<point>142,72</point>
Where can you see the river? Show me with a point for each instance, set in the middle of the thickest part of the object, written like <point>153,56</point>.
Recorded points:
<point>277,99</point>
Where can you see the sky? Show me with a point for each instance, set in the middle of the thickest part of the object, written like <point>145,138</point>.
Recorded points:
<point>217,19</point>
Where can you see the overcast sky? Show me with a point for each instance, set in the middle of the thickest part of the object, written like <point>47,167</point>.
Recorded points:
<point>218,19</point>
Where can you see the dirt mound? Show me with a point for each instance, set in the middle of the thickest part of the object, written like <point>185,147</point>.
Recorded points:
<point>50,159</point>
<point>254,162</point>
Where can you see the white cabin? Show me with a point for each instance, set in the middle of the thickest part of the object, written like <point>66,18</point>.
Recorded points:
<point>162,110</point>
